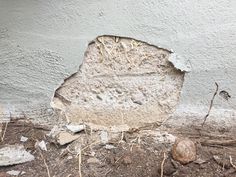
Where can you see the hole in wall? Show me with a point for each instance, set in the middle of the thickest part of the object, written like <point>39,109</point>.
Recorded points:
<point>225,95</point>
<point>121,81</point>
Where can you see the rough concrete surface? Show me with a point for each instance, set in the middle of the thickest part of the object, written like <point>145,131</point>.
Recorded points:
<point>121,81</point>
<point>43,42</point>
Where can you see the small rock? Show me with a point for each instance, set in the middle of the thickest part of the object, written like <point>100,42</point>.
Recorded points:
<point>42,145</point>
<point>65,138</point>
<point>200,161</point>
<point>23,139</point>
<point>184,151</point>
<point>109,146</point>
<point>104,137</point>
<point>75,128</point>
<point>14,154</point>
<point>127,160</point>
<point>92,153</point>
<point>15,172</point>
<point>93,160</point>
<point>69,157</point>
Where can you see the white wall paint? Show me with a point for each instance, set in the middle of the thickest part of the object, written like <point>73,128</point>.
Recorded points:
<point>42,42</point>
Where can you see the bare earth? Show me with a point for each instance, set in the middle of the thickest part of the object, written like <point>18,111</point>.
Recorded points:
<point>135,153</point>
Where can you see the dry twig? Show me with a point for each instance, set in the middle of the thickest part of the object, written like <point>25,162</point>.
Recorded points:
<point>231,162</point>
<point>211,104</point>
<point>162,164</point>
<point>221,142</point>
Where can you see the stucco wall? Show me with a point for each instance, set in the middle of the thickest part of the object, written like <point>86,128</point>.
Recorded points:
<point>43,42</point>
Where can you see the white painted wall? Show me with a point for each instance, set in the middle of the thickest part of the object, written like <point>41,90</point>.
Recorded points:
<point>42,42</point>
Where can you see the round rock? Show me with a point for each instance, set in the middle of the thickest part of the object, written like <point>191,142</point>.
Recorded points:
<point>184,151</point>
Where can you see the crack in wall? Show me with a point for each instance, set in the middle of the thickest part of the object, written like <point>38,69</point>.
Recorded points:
<point>121,81</point>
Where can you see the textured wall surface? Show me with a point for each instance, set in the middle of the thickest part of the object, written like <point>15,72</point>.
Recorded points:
<point>43,42</point>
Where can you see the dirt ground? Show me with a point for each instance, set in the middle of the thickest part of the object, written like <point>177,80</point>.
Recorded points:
<point>135,153</point>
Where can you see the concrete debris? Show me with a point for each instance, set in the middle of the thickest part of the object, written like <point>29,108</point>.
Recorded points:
<point>64,138</point>
<point>119,128</point>
<point>109,146</point>
<point>165,138</point>
<point>42,145</point>
<point>184,151</point>
<point>14,154</point>
<point>104,137</point>
<point>23,139</point>
<point>15,172</point>
<point>75,128</point>
<point>55,131</point>
<point>93,160</point>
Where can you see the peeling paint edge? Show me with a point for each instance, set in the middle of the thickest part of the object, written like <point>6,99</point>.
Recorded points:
<point>179,62</point>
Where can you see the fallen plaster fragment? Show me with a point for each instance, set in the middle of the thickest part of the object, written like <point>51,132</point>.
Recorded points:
<point>64,138</point>
<point>124,82</point>
<point>42,145</point>
<point>23,139</point>
<point>14,154</point>
<point>15,172</point>
<point>109,146</point>
<point>104,137</point>
<point>164,137</point>
<point>75,128</point>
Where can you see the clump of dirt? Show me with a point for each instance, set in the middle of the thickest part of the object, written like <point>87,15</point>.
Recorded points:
<point>127,154</point>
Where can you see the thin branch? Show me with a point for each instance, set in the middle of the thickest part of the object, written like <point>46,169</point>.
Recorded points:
<point>211,104</point>
<point>4,132</point>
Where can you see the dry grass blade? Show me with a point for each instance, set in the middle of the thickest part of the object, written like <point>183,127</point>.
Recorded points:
<point>231,162</point>
<point>4,132</point>
<point>162,164</point>
<point>45,163</point>
<point>80,159</point>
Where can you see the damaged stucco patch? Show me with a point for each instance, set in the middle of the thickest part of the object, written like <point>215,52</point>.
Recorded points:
<point>121,81</point>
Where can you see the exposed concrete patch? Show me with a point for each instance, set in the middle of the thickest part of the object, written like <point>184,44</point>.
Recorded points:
<point>121,81</point>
